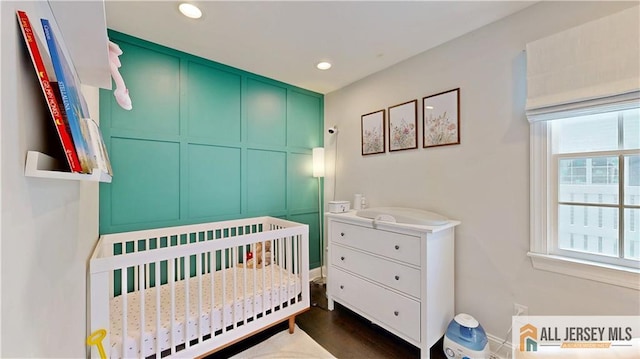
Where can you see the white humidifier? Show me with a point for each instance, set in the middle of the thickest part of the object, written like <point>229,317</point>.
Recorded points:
<point>465,339</point>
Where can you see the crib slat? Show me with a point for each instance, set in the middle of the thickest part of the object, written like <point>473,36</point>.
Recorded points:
<point>300,268</point>
<point>298,255</point>
<point>287,263</point>
<point>199,260</point>
<point>158,311</point>
<point>290,270</point>
<point>274,249</point>
<point>187,268</point>
<point>224,291</point>
<point>212,271</point>
<point>255,287</point>
<point>264,288</point>
<point>181,267</point>
<point>135,272</point>
<point>234,315</point>
<point>172,321</point>
<point>141,278</point>
<point>283,261</point>
<point>255,229</point>
<point>244,285</point>
<point>282,255</point>
<point>147,283</point>
<point>125,308</point>
<point>112,273</point>
<point>294,269</point>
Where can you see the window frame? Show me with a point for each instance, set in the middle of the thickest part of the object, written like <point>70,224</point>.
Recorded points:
<point>544,184</point>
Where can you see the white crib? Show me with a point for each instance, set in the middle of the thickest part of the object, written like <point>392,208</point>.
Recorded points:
<point>189,287</point>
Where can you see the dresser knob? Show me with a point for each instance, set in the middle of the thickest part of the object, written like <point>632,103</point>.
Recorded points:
<point>397,277</point>
<point>341,287</point>
<point>341,234</point>
<point>396,313</point>
<point>341,258</point>
<point>397,247</point>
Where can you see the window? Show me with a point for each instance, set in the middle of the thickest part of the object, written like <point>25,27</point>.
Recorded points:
<point>590,166</point>
<point>590,152</point>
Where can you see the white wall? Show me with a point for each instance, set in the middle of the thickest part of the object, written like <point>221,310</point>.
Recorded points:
<point>48,227</point>
<point>484,181</point>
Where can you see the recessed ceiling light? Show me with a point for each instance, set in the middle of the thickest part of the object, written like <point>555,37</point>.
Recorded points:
<point>190,10</point>
<point>428,107</point>
<point>323,65</point>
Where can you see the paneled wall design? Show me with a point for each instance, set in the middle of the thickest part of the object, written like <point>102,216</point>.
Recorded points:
<point>206,142</point>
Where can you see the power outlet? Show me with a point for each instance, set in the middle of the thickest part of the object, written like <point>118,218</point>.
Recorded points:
<point>519,309</point>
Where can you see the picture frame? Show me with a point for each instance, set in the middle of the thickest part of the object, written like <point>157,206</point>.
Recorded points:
<point>372,130</point>
<point>403,126</point>
<point>441,119</point>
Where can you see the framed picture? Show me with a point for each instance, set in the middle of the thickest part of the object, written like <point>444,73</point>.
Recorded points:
<point>373,133</point>
<point>403,126</point>
<point>441,119</point>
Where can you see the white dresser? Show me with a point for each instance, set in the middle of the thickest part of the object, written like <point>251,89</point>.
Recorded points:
<point>399,276</point>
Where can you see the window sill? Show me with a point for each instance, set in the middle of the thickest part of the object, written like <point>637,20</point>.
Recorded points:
<point>620,276</point>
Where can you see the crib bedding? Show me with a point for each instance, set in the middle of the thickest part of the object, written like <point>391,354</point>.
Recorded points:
<point>279,286</point>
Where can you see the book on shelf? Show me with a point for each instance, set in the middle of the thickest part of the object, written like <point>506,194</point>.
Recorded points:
<point>98,146</point>
<point>31,40</point>
<point>74,103</point>
<point>56,92</point>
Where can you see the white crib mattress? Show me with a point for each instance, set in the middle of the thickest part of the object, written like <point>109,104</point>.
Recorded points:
<point>279,286</point>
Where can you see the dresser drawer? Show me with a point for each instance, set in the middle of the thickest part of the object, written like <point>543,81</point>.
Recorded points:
<point>401,247</point>
<point>392,274</point>
<point>396,311</point>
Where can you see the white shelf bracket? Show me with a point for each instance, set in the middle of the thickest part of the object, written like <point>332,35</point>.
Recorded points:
<point>42,166</point>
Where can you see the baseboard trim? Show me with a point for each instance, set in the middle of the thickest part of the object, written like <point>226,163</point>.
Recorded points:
<point>315,273</point>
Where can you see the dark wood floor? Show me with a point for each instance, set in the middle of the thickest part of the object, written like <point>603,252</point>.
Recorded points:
<point>342,332</point>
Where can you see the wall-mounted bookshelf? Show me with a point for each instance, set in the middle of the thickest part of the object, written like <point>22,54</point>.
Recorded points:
<point>63,43</point>
<point>42,166</point>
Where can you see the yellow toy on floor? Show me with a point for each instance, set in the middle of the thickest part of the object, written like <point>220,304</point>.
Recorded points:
<point>252,258</point>
<point>96,339</point>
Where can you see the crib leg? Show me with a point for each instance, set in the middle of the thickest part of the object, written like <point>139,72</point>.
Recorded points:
<point>292,324</point>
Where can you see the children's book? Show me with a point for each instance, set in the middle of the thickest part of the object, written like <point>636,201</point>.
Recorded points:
<point>75,105</point>
<point>98,147</point>
<point>31,40</point>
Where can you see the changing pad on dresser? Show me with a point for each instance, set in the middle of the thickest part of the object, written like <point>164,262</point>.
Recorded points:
<point>404,215</point>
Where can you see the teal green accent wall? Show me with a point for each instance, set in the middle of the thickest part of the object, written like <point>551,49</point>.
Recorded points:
<point>206,142</point>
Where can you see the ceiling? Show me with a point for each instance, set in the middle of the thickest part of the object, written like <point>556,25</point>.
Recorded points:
<point>284,40</point>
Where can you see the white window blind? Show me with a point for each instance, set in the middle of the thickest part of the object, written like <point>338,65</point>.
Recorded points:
<point>596,64</point>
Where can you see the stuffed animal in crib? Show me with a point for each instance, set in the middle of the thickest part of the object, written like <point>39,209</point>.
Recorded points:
<point>252,258</point>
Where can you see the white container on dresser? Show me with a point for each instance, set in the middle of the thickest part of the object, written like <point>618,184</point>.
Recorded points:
<point>399,276</point>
